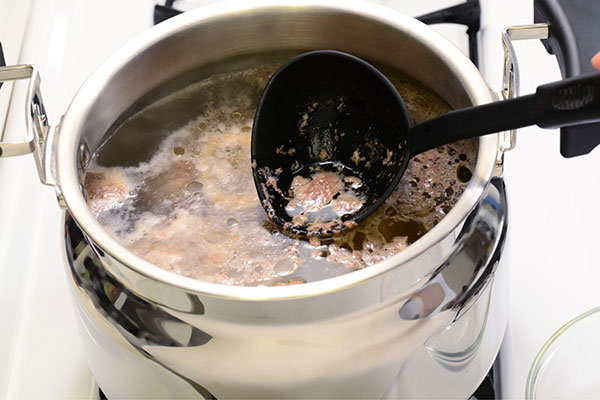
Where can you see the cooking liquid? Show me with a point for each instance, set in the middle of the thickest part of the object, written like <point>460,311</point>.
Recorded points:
<point>191,207</point>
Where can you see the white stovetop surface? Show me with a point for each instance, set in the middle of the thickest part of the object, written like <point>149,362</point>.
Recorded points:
<point>553,250</point>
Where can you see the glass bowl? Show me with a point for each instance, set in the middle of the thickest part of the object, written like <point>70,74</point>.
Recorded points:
<point>568,364</point>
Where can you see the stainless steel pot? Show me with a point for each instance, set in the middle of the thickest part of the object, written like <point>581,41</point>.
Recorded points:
<point>427,322</point>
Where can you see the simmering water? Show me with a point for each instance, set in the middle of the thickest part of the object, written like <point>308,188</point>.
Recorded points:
<point>191,206</point>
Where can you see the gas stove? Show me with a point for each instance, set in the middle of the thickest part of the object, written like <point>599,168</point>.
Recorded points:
<point>552,199</point>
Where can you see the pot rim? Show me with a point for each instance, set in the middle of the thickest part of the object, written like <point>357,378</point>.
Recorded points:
<point>67,149</point>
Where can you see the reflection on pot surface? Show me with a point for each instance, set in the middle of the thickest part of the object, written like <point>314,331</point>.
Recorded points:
<point>190,205</point>
<point>296,349</point>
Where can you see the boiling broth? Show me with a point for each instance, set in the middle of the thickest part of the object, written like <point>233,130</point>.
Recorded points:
<point>191,206</point>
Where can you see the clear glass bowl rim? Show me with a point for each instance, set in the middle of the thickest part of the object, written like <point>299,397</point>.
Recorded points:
<point>540,360</point>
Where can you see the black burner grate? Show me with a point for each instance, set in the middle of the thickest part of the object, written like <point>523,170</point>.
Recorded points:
<point>468,14</point>
<point>488,388</point>
<point>2,61</point>
<point>162,13</point>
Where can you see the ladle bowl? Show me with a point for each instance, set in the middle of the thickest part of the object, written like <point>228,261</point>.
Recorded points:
<point>333,111</point>
<point>329,111</point>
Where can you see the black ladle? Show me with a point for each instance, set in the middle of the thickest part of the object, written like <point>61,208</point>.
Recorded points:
<point>328,110</point>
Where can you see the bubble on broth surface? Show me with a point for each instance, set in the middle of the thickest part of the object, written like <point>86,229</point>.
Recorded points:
<point>191,206</point>
<point>195,187</point>
<point>285,267</point>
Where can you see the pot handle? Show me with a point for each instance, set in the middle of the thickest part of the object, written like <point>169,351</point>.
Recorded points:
<point>574,37</point>
<point>39,131</point>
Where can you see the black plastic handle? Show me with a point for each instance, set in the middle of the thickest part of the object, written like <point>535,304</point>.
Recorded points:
<point>574,32</point>
<point>574,38</point>
<point>567,102</point>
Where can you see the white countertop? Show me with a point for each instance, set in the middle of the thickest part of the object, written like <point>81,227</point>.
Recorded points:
<point>553,251</point>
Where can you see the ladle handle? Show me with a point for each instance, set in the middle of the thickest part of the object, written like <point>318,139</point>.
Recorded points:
<point>568,102</point>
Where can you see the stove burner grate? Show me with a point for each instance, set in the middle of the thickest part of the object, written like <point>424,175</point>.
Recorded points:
<point>468,14</point>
